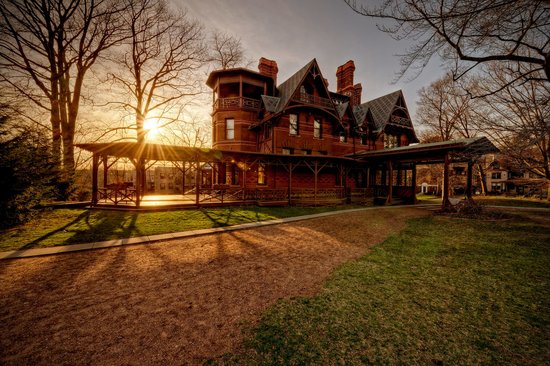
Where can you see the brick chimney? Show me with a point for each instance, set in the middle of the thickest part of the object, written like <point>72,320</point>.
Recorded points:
<point>344,83</point>
<point>268,68</point>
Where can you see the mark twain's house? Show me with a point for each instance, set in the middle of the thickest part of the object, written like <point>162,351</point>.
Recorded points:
<point>293,142</point>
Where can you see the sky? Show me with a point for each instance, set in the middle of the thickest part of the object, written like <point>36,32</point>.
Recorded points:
<point>292,32</point>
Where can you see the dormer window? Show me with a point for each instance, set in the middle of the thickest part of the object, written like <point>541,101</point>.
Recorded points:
<point>294,125</point>
<point>391,141</point>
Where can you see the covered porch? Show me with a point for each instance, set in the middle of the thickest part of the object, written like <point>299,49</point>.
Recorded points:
<point>207,177</point>
<point>391,170</point>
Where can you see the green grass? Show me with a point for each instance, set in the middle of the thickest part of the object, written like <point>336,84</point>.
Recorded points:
<point>444,292</point>
<point>491,201</point>
<point>73,226</point>
<point>512,201</point>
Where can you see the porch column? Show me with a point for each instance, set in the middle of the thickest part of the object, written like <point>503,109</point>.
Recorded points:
<point>197,184</point>
<point>105,169</point>
<point>368,183</point>
<point>289,183</point>
<point>140,172</point>
<point>390,182</point>
<point>183,178</point>
<point>413,183</point>
<point>469,181</point>
<point>445,203</point>
<point>245,164</point>
<point>95,168</point>
<point>315,173</point>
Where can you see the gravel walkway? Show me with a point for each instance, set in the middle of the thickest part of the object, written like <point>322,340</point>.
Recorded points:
<point>172,302</point>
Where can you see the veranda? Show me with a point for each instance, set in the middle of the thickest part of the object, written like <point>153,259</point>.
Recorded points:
<point>217,177</point>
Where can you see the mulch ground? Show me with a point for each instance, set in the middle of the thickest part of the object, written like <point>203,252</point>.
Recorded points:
<point>182,301</point>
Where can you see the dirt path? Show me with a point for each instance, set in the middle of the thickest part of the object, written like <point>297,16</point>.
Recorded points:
<point>182,301</point>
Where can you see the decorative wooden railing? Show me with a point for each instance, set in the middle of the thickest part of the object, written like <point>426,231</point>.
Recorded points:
<point>118,193</point>
<point>236,102</point>
<point>312,99</point>
<point>325,193</point>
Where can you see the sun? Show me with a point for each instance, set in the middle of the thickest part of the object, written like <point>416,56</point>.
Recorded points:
<point>151,128</point>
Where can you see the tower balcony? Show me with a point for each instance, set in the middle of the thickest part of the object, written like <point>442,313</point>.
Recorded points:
<point>236,103</point>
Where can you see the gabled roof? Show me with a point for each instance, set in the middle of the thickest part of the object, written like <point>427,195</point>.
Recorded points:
<point>271,103</point>
<point>341,109</point>
<point>288,88</point>
<point>382,108</point>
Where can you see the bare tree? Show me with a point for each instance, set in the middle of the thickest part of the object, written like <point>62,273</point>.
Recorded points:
<point>46,49</point>
<point>469,33</point>
<point>155,69</point>
<point>447,111</point>
<point>226,51</point>
<point>518,118</point>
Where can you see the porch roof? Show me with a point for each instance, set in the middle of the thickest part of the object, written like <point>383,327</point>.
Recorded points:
<point>149,151</point>
<point>460,150</point>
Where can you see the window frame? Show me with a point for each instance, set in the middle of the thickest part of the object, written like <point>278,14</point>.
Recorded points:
<point>317,128</point>
<point>293,128</point>
<point>232,129</point>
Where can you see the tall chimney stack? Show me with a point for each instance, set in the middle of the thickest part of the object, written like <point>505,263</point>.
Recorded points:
<point>344,83</point>
<point>268,68</point>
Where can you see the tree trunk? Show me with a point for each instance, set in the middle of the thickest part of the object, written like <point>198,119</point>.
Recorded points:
<point>482,179</point>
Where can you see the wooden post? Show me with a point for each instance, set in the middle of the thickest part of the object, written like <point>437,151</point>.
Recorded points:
<point>445,203</point>
<point>197,184</point>
<point>469,181</point>
<point>244,179</point>
<point>139,180</point>
<point>183,178</point>
<point>289,184</point>
<point>367,178</point>
<point>105,169</point>
<point>95,168</point>
<point>315,173</point>
<point>390,182</point>
<point>413,183</point>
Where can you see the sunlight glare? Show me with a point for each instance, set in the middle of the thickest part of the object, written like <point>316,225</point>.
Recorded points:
<point>152,129</point>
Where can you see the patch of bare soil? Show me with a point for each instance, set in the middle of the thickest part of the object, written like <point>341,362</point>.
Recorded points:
<point>175,302</point>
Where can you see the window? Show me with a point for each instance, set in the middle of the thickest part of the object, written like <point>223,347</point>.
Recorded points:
<point>229,129</point>
<point>261,174</point>
<point>391,141</point>
<point>364,139</point>
<point>162,186</point>
<point>342,136</point>
<point>317,128</point>
<point>496,175</point>
<point>287,151</point>
<point>294,126</point>
<point>306,152</point>
<point>170,185</point>
<point>320,152</point>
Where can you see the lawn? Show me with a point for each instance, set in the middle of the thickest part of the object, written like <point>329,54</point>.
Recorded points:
<point>73,226</point>
<point>445,291</point>
<point>492,201</point>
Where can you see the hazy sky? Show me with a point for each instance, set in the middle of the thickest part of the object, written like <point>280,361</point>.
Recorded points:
<point>292,32</point>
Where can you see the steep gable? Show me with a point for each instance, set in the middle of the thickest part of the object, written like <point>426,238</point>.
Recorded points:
<point>385,110</point>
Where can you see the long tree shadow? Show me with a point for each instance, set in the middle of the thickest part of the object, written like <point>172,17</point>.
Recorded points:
<point>88,227</point>
<point>83,216</point>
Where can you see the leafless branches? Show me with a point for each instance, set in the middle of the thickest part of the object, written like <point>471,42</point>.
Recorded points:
<point>46,49</point>
<point>226,51</point>
<point>154,68</point>
<point>469,33</point>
